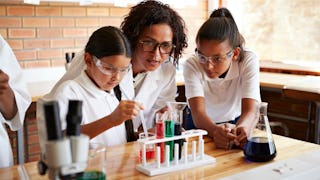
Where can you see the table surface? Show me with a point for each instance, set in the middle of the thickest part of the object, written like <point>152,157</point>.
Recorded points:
<point>290,81</point>
<point>292,67</point>
<point>122,160</point>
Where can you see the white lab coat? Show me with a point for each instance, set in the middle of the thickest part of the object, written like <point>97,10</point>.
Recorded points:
<point>158,88</point>
<point>9,65</point>
<point>76,68</point>
<point>96,105</point>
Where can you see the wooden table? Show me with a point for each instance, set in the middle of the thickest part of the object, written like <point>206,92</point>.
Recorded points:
<point>121,162</point>
<point>299,87</point>
<point>291,67</point>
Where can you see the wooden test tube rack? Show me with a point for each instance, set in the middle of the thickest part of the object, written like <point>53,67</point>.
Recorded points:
<point>187,161</point>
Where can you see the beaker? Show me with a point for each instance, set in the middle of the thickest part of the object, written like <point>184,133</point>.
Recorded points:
<point>260,146</point>
<point>96,164</point>
<point>176,115</point>
<point>149,148</point>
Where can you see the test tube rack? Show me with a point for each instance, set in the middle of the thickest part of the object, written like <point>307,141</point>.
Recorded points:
<point>187,161</point>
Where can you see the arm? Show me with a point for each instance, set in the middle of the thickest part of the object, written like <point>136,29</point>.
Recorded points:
<point>125,110</point>
<point>14,96</point>
<point>220,133</point>
<point>195,94</point>
<point>8,107</point>
<point>249,118</point>
<point>250,97</point>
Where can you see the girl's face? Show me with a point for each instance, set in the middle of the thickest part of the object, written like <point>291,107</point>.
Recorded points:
<point>153,48</point>
<point>107,72</point>
<point>215,57</point>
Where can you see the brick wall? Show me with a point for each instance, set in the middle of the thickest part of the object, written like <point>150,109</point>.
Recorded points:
<point>40,36</point>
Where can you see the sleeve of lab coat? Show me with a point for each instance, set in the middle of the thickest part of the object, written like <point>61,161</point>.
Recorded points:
<point>10,65</point>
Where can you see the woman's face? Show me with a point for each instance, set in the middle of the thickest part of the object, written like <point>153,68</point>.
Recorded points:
<point>107,72</point>
<point>147,55</point>
<point>215,57</point>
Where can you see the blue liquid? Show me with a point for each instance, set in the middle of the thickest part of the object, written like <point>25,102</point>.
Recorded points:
<point>259,149</point>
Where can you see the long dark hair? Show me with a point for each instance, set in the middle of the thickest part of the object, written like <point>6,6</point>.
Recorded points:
<point>220,27</point>
<point>148,13</point>
<point>108,41</point>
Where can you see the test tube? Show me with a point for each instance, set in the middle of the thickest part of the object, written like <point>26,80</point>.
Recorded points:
<point>178,130</point>
<point>160,124</point>
<point>169,132</point>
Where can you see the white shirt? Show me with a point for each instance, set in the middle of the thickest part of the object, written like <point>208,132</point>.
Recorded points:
<point>96,105</point>
<point>9,65</point>
<point>223,95</point>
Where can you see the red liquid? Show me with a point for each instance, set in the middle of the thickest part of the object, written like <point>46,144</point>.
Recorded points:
<point>160,130</point>
<point>149,154</point>
<point>160,135</point>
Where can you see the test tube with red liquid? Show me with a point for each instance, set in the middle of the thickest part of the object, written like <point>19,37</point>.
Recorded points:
<point>160,128</point>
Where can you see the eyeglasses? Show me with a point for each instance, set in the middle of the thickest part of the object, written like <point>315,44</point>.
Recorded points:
<point>213,59</point>
<point>150,46</point>
<point>109,69</point>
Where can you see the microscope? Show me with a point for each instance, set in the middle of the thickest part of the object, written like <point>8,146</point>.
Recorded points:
<point>64,157</point>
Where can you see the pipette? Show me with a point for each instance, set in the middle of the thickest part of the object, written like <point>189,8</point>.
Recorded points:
<point>141,115</point>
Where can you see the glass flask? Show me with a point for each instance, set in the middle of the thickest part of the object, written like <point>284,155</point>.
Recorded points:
<point>260,146</point>
<point>176,118</point>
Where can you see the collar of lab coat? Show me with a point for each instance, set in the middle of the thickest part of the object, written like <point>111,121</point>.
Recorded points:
<point>150,83</point>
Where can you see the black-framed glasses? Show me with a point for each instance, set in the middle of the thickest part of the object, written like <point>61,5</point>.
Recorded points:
<point>109,69</point>
<point>213,59</point>
<point>150,46</point>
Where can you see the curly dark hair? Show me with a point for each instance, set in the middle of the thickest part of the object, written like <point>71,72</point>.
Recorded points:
<point>151,12</point>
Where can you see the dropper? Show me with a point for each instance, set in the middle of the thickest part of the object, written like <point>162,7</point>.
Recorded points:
<point>141,115</point>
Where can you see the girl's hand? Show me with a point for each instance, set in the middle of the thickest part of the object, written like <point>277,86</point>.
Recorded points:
<point>241,136</point>
<point>222,135</point>
<point>127,109</point>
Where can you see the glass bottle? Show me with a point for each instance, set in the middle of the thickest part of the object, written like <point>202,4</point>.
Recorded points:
<point>260,146</point>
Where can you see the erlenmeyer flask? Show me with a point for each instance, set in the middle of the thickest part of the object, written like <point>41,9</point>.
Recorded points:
<point>260,146</point>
